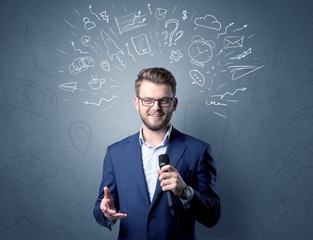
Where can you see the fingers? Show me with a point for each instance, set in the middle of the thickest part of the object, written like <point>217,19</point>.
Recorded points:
<point>166,168</point>
<point>107,193</point>
<point>116,216</point>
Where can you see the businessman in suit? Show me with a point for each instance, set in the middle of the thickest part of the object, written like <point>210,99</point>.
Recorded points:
<point>134,188</point>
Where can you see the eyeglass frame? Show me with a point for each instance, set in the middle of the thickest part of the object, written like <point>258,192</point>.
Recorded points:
<point>158,100</point>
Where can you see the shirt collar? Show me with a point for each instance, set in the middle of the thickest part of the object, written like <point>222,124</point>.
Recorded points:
<point>165,140</point>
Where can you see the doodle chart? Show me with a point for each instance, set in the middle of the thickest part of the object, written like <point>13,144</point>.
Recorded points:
<point>215,55</point>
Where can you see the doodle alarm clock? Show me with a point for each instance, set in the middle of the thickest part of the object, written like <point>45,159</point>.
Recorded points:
<point>200,51</point>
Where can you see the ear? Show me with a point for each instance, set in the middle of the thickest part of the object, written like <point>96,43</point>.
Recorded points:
<point>136,102</point>
<point>175,103</point>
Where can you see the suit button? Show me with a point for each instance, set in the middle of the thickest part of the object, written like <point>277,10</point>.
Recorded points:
<point>151,218</point>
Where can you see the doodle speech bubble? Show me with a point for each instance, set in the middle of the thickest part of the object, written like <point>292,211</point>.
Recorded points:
<point>197,77</point>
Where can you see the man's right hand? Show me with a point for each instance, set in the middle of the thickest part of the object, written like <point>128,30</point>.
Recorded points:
<point>107,207</point>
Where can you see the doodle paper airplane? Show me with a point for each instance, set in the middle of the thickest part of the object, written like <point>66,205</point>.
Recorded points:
<point>240,71</point>
<point>70,86</point>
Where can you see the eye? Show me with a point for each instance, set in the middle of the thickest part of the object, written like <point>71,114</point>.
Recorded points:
<point>148,100</point>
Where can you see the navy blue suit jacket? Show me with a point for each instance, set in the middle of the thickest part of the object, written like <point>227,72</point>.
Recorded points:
<point>124,175</point>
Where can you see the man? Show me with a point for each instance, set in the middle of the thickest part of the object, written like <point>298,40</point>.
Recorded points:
<point>133,188</point>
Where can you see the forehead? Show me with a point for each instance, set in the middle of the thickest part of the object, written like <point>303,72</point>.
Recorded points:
<point>153,90</point>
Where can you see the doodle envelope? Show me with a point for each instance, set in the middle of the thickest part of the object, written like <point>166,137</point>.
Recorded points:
<point>160,13</point>
<point>233,42</point>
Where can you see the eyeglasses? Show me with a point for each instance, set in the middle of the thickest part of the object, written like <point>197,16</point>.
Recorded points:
<point>149,102</point>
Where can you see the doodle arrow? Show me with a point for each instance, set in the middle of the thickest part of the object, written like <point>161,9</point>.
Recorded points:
<point>112,48</point>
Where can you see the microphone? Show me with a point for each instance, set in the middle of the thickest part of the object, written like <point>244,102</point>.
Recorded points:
<point>164,160</point>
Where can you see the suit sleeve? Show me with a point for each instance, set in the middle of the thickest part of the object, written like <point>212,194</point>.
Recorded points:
<point>108,180</point>
<point>205,204</point>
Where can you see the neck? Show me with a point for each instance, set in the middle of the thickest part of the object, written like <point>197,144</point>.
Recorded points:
<point>154,138</point>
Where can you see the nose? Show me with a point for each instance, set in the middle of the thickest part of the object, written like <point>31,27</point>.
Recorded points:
<point>156,105</point>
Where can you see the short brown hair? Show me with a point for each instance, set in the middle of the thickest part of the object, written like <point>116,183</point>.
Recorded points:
<point>156,75</point>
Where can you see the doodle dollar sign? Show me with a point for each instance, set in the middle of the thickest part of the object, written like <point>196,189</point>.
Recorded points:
<point>185,15</point>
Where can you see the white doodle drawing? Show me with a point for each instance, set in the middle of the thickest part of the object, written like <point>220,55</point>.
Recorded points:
<point>200,50</point>
<point>225,31</point>
<point>149,7</point>
<point>90,7</point>
<point>121,62</point>
<point>80,135</point>
<point>215,103</point>
<point>76,12</point>
<point>242,55</point>
<point>239,29</point>
<point>100,101</point>
<point>197,77</point>
<point>77,49</point>
<point>81,64</point>
<point>178,34</point>
<point>240,71</point>
<point>112,48</point>
<point>130,22</point>
<point>104,16</point>
<point>88,24</point>
<point>233,42</point>
<point>221,115</point>
<point>132,55</point>
<point>105,65</point>
<point>175,55</point>
<point>184,17</point>
<point>70,24</point>
<point>85,40</point>
<point>70,86</point>
<point>95,83</point>
<point>221,96</point>
<point>160,13</point>
<point>62,51</point>
<point>208,21</point>
<point>141,44</point>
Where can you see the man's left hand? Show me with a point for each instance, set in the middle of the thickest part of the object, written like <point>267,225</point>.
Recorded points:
<point>171,180</point>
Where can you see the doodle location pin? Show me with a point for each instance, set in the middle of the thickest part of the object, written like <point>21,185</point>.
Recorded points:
<point>80,135</point>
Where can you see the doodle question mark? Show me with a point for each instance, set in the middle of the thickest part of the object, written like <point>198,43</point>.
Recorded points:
<point>166,36</point>
<point>178,34</point>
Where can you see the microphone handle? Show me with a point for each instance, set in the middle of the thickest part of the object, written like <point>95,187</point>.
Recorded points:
<point>170,201</point>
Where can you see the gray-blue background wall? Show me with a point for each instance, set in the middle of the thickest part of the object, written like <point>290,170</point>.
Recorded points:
<point>245,85</point>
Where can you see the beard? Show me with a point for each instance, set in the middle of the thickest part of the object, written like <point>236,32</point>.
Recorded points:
<point>153,126</point>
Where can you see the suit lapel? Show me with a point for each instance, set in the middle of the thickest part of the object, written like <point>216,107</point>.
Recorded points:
<point>175,151</point>
<point>135,158</point>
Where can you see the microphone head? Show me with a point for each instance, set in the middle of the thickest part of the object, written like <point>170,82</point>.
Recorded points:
<point>163,160</point>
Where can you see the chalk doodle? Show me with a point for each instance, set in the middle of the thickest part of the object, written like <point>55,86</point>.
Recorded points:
<point>233,42</point>
<point>141,44</point>
<point>184,17</point>
<point>197,77</point>
<point>101,100</point>
<point>112,48</point>
<point>174,32</point>
<point>88,24</point>
<point>175,55</point>
<point>160,14</point>
<point>130,22</point>
<point>70,86</point>
<point>81,64</point>
<point>208,21</point>
<point>216,57</point>
<point>80,135</point>
<point>95,83</point>
<point>200,50</point>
